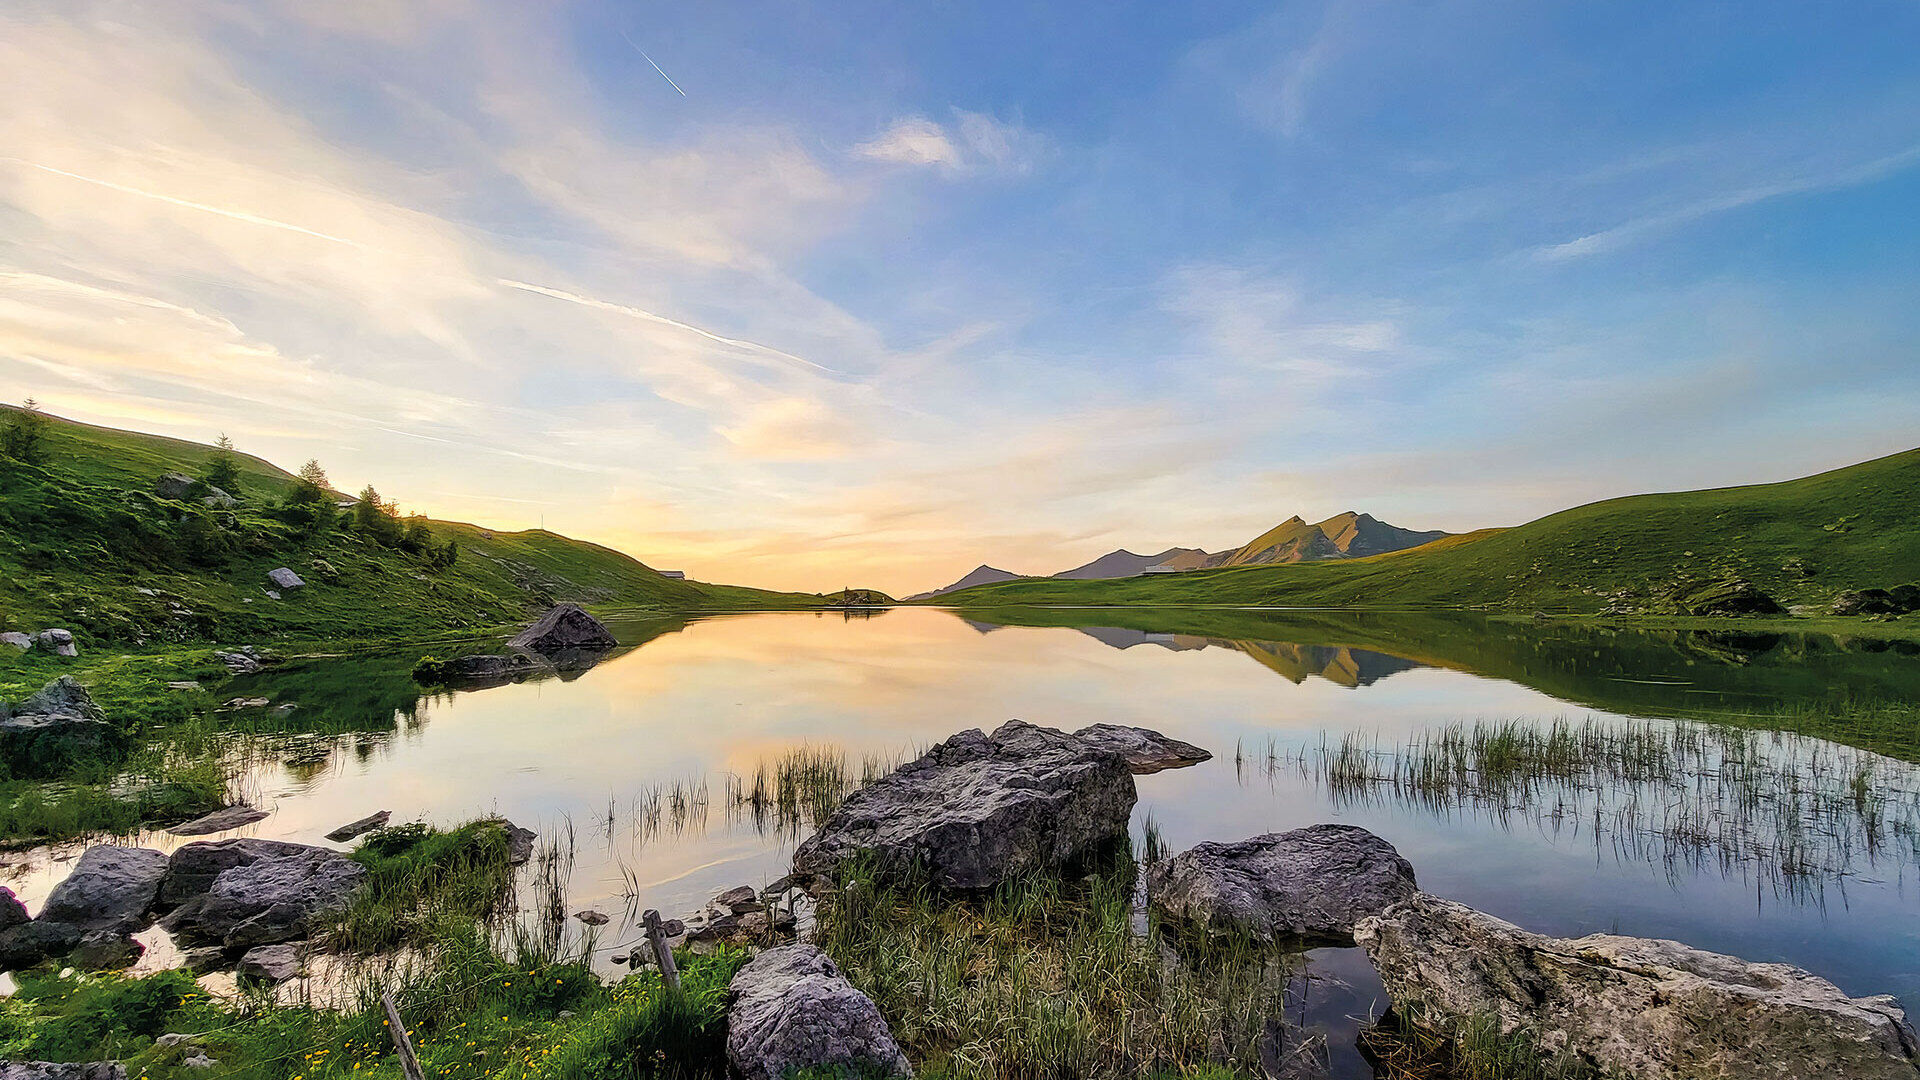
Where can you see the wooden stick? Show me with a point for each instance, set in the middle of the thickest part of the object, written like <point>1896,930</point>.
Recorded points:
<point>662,955</point>
<point>402,1044</point>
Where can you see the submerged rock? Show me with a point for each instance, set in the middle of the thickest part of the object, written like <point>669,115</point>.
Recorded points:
<point>792,1010</point>
<point>231,817</point>
<point>367,824</point>
<point>1308,884</point>
<point>110,888</point>
<point>979,809</point>
<point>477,671</point>
<point>1645,1008</point>
<point>565,629</point>
<point>1146,750</point>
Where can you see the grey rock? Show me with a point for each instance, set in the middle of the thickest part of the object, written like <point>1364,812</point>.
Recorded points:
<point>519,843</point>
<point>478,671</point>
<point>40,745</point>
<point>270,963</point>
<point>565,628</point>
<point>105,950</point>
<point>793,1010</point>
<point>284,578</point>
<point>231,817</point>
<point>979,809</point>
<point>198,1059</point>
<point>58,642</point>
<point>202,959</point>
<point>1146,750</point>
<point>736,896</point>
<point>187,684</point>
<point>172,1039</point>
<point>363,825</point>
<point>272,594</point>
<point>47,1070</point>
<point>270,900</point>
<point>591,918</point>
<point>1309,884</point>
<point>755,929</point>
<point>110,888</point>
<point>29,943</point>
<point>174,485</point>
<point>17,640</point>
<point>1644,1008</point>
<point>192,868</point>
<point>218,499</point>
<point>12,911</point>
<point>63,696</point>
<point>239,663</point>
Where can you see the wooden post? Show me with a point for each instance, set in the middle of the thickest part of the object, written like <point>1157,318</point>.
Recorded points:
<point>662,955</point>
<point>402,1044</point>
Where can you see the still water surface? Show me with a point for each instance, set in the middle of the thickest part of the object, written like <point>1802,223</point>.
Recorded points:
<point>1768,846</point>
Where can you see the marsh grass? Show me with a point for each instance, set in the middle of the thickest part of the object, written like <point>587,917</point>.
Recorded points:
<point>1791,813</point>
<point>419,878</point>
<point>800,788</point>
<point>1417,1045</point>
<point>1047,979</point>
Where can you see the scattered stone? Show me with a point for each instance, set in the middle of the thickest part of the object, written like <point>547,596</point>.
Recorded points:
<point>733,898</point>
<point>198,1059</point>
<point>110,888</point>
<point>58,642</point>
<point>47,1070</point>
<point>284,578</point>
<point>1729,597</point>
<point>792,1010</point>
<point>105,950</point>
<point>1146,750</point>
<point>591,918</point>
<point>17,640</point>
<point>172,1039</point>
<point>749,928</point>
<point>1644,1008</point>
<point>29,943</point>
<point>1308,884</point>
<point>1870,602</point>
<point>566,628</point>
<point>185,684</point>
<point>364,825</point>
<point>241,662</point>
<point>272,594</point>
<point>246,703</point>
<point>979,809</point>
<point>232,817</point>
<point>218,500</point>
<point>270,963</point>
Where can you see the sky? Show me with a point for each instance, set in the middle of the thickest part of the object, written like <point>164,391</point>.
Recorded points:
<point>806,295</point>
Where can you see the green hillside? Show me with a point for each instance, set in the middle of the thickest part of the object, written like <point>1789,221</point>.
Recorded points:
<point>1802,542</point>
<point>87,544</point>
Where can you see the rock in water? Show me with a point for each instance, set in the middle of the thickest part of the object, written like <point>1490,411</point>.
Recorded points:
<point>1308,884</point>
<point>271,899</point>
<point>1146,750</point>
<point>567,628</point>
<point>110,888</point>
<point>192,868</point>
<point>979,809</point>
<point>231,817</point>
<point>792,1010</point>
<point>285,578</point>
<point>367,824</point>
<point>1654,1009</point>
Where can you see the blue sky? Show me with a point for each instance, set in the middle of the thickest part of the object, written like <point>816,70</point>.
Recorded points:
<point>882,291</point>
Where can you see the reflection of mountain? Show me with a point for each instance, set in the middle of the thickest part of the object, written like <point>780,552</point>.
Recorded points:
<point>1296,663</point>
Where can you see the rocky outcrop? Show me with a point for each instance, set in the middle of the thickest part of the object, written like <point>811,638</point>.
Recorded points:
<point>1716,598</point>
<point>57,642</point>
<point>284,579</point>
<point>1644,1008</point>
<point>979,809</point>
<point>563,631</point>
<point>56,727</point>
<point>266,892</point>
<point>1898,601</point>
<point>1310,884</point>
<point>175,486</point>
<point>793,1010</point>
<point>1146,750</point>
<point>110,888</point>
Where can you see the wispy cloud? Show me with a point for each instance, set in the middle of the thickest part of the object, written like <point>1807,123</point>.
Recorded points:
<point>974,142</point>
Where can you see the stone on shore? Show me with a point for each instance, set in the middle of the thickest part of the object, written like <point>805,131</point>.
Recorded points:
<point>192,868</point>
<point>231,817</point>
<point>367,824</point>
<point>1310,884</point>
<point>1644,1008</point>
<point>110,888</point>
<point>12,911</point>
<point>270,963</point>
<point>980,809</point>
<point>792,1010</point>
<point>565,629</point>
<point>285,578</point>
<point>274,895</point>
<point>29,943</point>
<point>105,950</point>
<point>1146,750</point>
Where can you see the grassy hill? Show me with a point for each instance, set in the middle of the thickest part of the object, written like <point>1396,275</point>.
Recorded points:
<point>86,544</point>
<point>1801,541</point>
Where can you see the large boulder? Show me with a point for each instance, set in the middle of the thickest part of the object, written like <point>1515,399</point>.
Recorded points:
<point>1146,750</point>
<point>56,728</point>
<point>29,943</point>
<point>16,640</point>
<point>12,911</point>
<point>192,868</point>
<point>270,900</point>
<point>285,578</point>
<point>175,486</point>
<point>979,809</point>
<point>564,630</point>
<point>1310,884</point>
<point>58,642</point>
<point>792,1010</point>
<point>1643,1008</point>
<point>63,696</point>
<point>1716,598</point>
<point>110,888</point>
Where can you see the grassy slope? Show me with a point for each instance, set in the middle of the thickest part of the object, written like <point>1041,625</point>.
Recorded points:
<point>501,577</point>
<point>1851,528</point>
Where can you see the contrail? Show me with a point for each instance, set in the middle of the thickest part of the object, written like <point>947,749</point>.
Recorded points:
<point>648,316</point>
<point>237,215</point>
<point>656,67</point>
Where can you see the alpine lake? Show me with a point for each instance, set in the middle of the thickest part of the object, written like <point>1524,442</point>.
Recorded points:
<point>1705,786</point>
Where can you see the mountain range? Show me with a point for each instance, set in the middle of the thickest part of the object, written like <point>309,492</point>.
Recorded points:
<point>1351,535</point>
